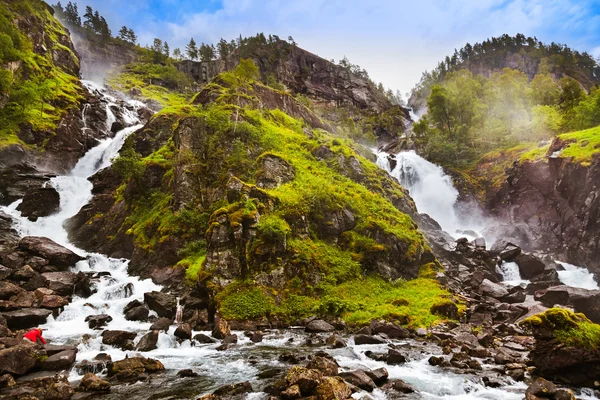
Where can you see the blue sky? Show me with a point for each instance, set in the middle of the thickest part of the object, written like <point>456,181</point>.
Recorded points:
<point>395,41</point>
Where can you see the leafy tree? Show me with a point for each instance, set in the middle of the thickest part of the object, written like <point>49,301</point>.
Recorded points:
<point>177,53</point>
<point>166,50</point>
<point>246,70</point>
<point>24,95</point>
<point>544,90</point>
<point>191,50</point>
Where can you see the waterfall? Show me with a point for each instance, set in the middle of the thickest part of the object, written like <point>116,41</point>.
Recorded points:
<point>432,190</point>
<point>511,275</point>
<point>179,313</point>
<point>575,276</point>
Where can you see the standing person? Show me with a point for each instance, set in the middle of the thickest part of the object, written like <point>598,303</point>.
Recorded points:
<point>34,335</point>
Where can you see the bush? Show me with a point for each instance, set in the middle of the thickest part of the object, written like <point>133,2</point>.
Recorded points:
<point>273,228</point>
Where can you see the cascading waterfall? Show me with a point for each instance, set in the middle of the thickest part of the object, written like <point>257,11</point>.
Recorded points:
<point>575,276</point>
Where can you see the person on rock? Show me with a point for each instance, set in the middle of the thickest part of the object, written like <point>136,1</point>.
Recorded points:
<point>34,335</point>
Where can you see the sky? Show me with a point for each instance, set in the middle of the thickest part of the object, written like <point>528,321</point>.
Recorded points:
<point>394,40</point>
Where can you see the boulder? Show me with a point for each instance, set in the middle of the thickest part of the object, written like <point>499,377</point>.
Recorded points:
<point>52,349</point>
<point>319,326</point>
<point>140,313</point>
<point>8,290</point>
<point>164,304</point>
<point>491,289</point>
<point>40,202</point>
<point>394,357</point>
<point>26,318</point>
<point>60,361</point>
<point>59,390</point>
<point>392,331</point>
<point>446,309</point>
<point>335,342</point>
<point>306,379</point>
<point>379,375</point>
<point>589,304</point>
<point>91,383</point>
<point>256,337</point>
<point>187,373</point>
<point>58,255</point>
<point>19,360</point>
<point>541,388</point>
<point>184,332</point>
<point>98,321</point>
<point>529,265</point>
<point>161,324</point>
<point>62,282</point>
<point>359,379</point>
<point>367,339</point>
<point>397,385</point>
<point>53,301</point>
<point>148,341</point>
<point>221,329</point>
<point>230,339</point>
<point>333,388</point>
<point>119,339</point>
<point>326,365</point>
<point>204,339</point>
<point>234,389</point>
<point>134,368</point>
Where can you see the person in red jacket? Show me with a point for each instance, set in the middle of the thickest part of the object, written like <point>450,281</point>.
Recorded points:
<point>34,335</point>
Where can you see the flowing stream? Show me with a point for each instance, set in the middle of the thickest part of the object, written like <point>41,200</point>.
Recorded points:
<point>258,363</point>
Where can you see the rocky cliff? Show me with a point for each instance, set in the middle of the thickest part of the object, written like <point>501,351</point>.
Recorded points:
<point>553,191</point>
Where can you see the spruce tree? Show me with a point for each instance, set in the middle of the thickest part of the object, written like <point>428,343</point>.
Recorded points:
<point>191,50</point>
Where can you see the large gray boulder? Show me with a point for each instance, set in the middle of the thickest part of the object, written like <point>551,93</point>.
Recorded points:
<point>58,255</point>
<point>164,304</point>
<point>491,289</point>
<point>148,341</point>
<point>19,360</point>
<point>60,361</point>
<point>40,202</point>
<point>318,326</point>
<point>26,318</point>
<point>529,265</point>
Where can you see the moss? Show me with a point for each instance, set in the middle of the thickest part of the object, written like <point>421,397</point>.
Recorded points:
<point>244,301</point>
<point>582,145</point>
<point>572,329</point>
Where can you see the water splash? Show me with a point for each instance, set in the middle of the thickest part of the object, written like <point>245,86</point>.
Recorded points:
<point>577,276</point>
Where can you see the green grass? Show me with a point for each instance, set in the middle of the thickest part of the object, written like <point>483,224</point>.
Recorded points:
<point>582,145</point>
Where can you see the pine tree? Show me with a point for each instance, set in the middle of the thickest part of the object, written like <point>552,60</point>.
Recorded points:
<point>124,33</point>
<point>89,18</point>
<point>131,36</point>
<point>72,14</point>
<point>103,29</point>
<point>191,50</point>
<point>177,54</point>
<point>157,45</point>
<point>166,51</point>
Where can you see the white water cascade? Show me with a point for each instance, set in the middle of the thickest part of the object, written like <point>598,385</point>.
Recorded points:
<point>575,276</point>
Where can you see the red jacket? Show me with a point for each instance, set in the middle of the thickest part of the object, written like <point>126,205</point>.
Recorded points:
<point>34,335</point>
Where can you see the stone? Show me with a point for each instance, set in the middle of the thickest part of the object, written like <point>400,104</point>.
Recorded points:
<point>392,331</point>
<point>60,390</point>
<point>52,349</point>
<point>319,326</point>
<point>435,361</point>
<point>187,373</point>
<point>541,388</point>
<point>53,301</point>
<point>134,368</point>
<point>56,254</point>
<point>529,265</point>
<point>60,361</point>
<point>273,171</point>
<point>333,388</point>
<point>445,309</point>
<point>230,339</point>
<point>98,321</point>
<point>161,324</point>
<point>26,318</point>
<point>117,338</point>
<point>19,360</point>
<point>6,381</point>
<point>366,339</point>
<point>164,304</point>
<point>256,337</point>
<point>398,385</point>
<point>359,379</point>
<point>509,252</point>
<point>183,332</point>
<point>91,383</point>
<point>291,393</point>
<point>491,289</point>
<point>62,282</point>
<point>335,342</point>
<point>306,379</point>
<point>40,202</point>
<point>140,313</point>
<point>379,375</point>
<point>148,341</point>
<point>221,329</point>
<point>8,290</point>
<point>204,339</point>
<point>394,357</point>
<point>327,366</point>
<point>234,389</point>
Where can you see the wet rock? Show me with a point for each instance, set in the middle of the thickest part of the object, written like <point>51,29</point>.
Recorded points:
<point>221,329</point>
<point>518,296</point>
<point>62,283</point>
<point>541,388</point>
<point>187,373</point>
<point>134,368</point>
<point>164,304</point>
<point>306,379</point>
<point>148,341</point>
<point>98,321</point>
<point>509,252</point>
<point>161,324</point>
<point>58,255</point>
<point>8,290</point>
<point>366,339</point>
<point>234,389</point>
<point>60,361</point>
<point>291,393</point>
<point>91,383</point>
<point>19,360</point>
<point>119,339</point>
<point>326,365</point>
<point>436,361</point>
<point>335,342</point>
<point>137,314</point>
<point>319,326</point>
<point>204,339</point>
<point>40,202</point>
<point>359,379</point>
<point>397,385</point>
<point>256,337</point>
<point>26,318</point>
<point>101,362</point>
<point>529,265</point>
<point>504,356</point>
<point>333,388</point>
<point>60,390</point>
<point>392,331</point>
<point>379,375</point>
<point>394,357</point>
<point>183,332</point>
<point>6,381</point>
<point>517,374</point>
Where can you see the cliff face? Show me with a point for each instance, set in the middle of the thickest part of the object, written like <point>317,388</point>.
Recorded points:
<point>558,198</point>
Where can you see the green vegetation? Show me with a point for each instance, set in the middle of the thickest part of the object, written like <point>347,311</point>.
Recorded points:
<point>582,145</point>
<point>326,270</point>
<point>36,90</point>
<point>572,329</point>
